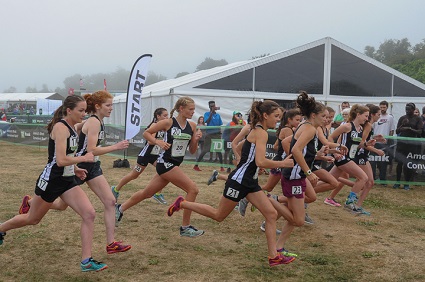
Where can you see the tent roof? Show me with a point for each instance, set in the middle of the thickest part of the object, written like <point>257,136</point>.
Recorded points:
<point>29,97</point>
<point>339,68</point>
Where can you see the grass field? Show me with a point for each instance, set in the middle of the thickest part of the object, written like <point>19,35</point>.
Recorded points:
<point>387,246</point>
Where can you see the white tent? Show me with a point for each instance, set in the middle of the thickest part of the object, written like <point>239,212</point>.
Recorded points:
<point>7,99</point>
<point>329,70</point>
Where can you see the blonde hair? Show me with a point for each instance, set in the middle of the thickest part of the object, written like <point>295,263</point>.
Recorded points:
<point>182,102</point>
<point>97,98</point>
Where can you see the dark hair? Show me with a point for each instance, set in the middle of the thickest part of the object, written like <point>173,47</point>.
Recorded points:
<point>291,113</point>
<point>157,112</point>
<point>308,105</point>
<point>210,102</point>
<point>199,118</point>
<point>411,105</point>
<point>97,98</point>
<point>373,109</point>
<point>385,103</point>
<point>357,109</point>
<point>258,108</point>
<point>330,110</point>
<point>70,102</point>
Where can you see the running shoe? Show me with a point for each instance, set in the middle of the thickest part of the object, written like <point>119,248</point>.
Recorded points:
<point>93,265</point>
<point>162,198</point>
<point>222,169</point>
<point>118,215</point>
<point>2,234</point>
<point>351,207</point>
<point>395,186</point>
<point>243,204</point>
<point>175,206</point>
<point>159,198</point>
<point>332,202</point>
<point>363,211</point>
<point>191,231</point>
<point>196,167</point>
<point>280,259</point>
<point>286,253</point>
<point>263,228</point>
<point>406,187</point>
<point>307,219</point>
<point>228,170</point>
<point>213,177</point>
<point>25,207</point>
<point>115,192</point>
<point>117,247</point>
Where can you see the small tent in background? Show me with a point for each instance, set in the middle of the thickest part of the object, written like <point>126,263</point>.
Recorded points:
<point>329,70</point>
<point>30,100</point>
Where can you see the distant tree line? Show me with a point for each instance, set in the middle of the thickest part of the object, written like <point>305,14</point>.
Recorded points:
<point>116,81</point>
<point>402,56</point>
<point>397,54</point>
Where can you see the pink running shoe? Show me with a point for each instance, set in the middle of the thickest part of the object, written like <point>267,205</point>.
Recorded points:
<point>332,202</point>
<point>175,206</point>
<point>25,207</point>
<point>280,259</point>
<point>117,247</point>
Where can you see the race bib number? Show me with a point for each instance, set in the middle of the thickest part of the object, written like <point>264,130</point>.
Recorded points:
<point>69,169</point>
<point>42,184</point>
<point>297,190</point>
<point>179,148</point>
<point>232,193</point>
<point>155,150</point>
<point>353,151</point>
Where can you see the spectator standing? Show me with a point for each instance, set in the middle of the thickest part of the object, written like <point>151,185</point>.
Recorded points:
<point>211,118</point>
<point>339,117</point>
<point>384,126</point>
<point>3,116</point>
<point>408,125</point>
<point>201,141</point>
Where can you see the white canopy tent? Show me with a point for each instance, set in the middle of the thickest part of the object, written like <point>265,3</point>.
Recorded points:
<point>34,99</point>
<point>327,69</point>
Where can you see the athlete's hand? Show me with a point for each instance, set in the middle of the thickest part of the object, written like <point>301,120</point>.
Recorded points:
<point>89,157</point>
<point>343,149</point>
<point>122,145</point>
<point>380,152</point>
<point>338,156</point>
<point>81,173</point>
<point>198,134</point>
<point>313,179</point>
<point>288,161</point>
<point>164,145</point>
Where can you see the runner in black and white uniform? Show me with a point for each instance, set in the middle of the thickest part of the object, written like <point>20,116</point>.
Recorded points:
<point>147,155</point>
<point>58,180</point>
<point>243,181</point>
<point>91,139</point>
<point>181,135</point>
<point>303,148</point>
<point>350,135</point>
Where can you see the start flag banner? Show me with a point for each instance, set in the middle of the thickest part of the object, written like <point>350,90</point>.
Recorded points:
<point>134,94</point>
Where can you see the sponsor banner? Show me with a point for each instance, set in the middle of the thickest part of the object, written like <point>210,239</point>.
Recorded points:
<point>409,152</point>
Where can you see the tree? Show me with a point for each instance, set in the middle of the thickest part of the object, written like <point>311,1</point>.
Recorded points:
<point>30,89</point>
<point>209,63</point>
<point>11,89</point>
<point>154,78</point>
<point>181,74</point>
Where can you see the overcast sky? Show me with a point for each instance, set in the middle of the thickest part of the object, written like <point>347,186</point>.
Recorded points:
<point>45,41</point>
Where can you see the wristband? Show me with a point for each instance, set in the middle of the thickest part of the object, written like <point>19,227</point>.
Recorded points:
<point>308,172</point>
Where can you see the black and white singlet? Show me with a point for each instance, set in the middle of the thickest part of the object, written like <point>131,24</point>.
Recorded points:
<point>309,153</point>
<point>83,140</point>
<point>52,170</point>
<point>179,138</point>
